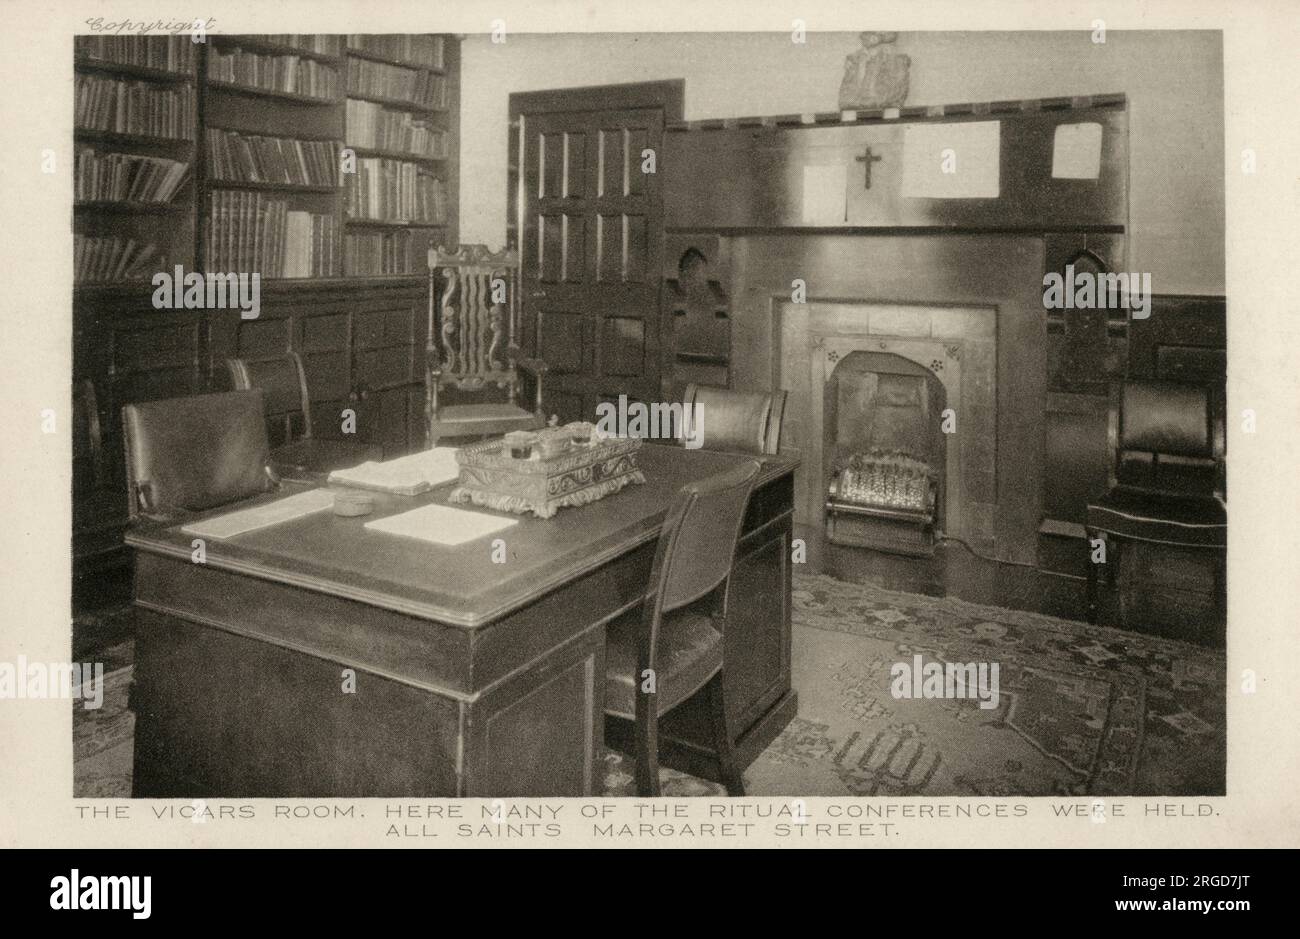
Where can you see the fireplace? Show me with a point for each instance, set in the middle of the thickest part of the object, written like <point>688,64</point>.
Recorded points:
<point>957,315</point>
<point>884,448</point>
<point>909,381</point>
<point>949,427</point>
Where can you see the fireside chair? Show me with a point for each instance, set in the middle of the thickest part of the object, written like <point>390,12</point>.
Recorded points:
<point>471,347</point>
<point>189,454</point>
<point>677,632</point>
<point>288,408</point>
<point>739,421</point>
<point>1167,481</point>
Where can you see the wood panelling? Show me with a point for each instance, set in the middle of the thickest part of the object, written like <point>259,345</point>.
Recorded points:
<point>1184,339</point>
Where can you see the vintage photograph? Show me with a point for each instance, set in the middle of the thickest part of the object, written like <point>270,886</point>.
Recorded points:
<point>629,414</point>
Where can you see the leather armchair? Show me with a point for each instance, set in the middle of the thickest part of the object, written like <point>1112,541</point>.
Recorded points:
<point>189,454</point>
<point>1167,483</point>
<point>739,421</point>
<point>300,452</point>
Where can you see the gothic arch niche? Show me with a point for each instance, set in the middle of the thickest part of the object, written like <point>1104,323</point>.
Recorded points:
<point>1082,366</point>
<point>701,320</point>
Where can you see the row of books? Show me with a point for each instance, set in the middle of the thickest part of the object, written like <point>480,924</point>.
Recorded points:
<point>251,233</point>
<point>320,43</point>
<point>391,190</point>
<point>287,73</point>
<point>106,259</point>
<point>249,158</point>
<point>168,53</point>
<point>310,245</point>
<point>417,50</point>
<point>125,177</point>
<point>378,128</point>
<point>376,80</point>
<point>366,254</point>
<point>125,107</point>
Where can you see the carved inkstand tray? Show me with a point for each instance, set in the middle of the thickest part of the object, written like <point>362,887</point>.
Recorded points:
<point>581,474</point>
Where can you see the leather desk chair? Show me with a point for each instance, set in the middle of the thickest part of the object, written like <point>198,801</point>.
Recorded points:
<point>676,635</point>
<point>189,454</point>
<point>288,409</point>
<point>739,421</point>
<point>1166,477</point>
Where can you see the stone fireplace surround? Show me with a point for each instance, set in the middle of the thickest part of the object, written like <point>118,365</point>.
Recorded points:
<point>920,294</point>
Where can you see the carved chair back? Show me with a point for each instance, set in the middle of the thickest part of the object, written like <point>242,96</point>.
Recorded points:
<point>472,318</point>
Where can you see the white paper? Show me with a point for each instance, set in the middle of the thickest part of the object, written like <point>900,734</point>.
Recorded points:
<point>441,524</point>
<point>408,475</point>
<point>825,194</point>
<point>262,516</point>
<point>952,161</point>
<point>1076,151</point>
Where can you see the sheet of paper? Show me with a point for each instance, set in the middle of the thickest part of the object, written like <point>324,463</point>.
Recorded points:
<point>1076,151</point>
<point>825,194</point>
<point>262,516</point>
<point>408,475</point>
<point>441,524</point>
<point>952,161</point>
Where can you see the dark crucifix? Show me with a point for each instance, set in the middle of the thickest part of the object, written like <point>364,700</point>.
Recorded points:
<point>867,158</point>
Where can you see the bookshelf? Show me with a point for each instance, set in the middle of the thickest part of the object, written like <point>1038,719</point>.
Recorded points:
<point>135,120</point>
<point>388,105</point>
<point>401,124</point>
<point>357,319</point>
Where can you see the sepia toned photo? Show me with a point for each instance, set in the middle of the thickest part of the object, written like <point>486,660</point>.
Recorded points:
<point>711,414</point>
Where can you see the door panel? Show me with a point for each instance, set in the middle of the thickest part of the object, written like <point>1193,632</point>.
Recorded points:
<point>592,240</point>
<point>562,345</point>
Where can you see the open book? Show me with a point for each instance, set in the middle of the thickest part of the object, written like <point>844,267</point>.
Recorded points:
<point>405,476</point>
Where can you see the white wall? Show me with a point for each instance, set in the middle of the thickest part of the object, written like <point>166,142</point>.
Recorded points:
<point>1174,81</point>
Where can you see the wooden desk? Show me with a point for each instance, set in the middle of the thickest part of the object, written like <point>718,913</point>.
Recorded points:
<point>472,678</point>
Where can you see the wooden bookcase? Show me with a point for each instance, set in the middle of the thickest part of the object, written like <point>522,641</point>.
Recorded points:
<point>169,225</point>
<point>181,225</point>
<point>361,338</point>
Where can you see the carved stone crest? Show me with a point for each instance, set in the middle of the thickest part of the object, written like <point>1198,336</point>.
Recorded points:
<point>875,76</point>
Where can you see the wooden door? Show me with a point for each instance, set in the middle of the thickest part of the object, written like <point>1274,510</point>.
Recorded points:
<point>592,241</point>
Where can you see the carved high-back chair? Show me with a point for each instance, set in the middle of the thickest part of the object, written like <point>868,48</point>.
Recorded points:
<point>473,317</point>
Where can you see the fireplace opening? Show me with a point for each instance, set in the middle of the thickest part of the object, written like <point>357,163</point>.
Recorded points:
<point>885,453</point>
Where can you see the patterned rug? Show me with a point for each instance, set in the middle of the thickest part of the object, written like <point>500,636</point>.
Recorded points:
<point>1082,710</point>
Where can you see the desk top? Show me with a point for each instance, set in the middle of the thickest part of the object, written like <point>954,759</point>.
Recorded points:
<point>460,585</point>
